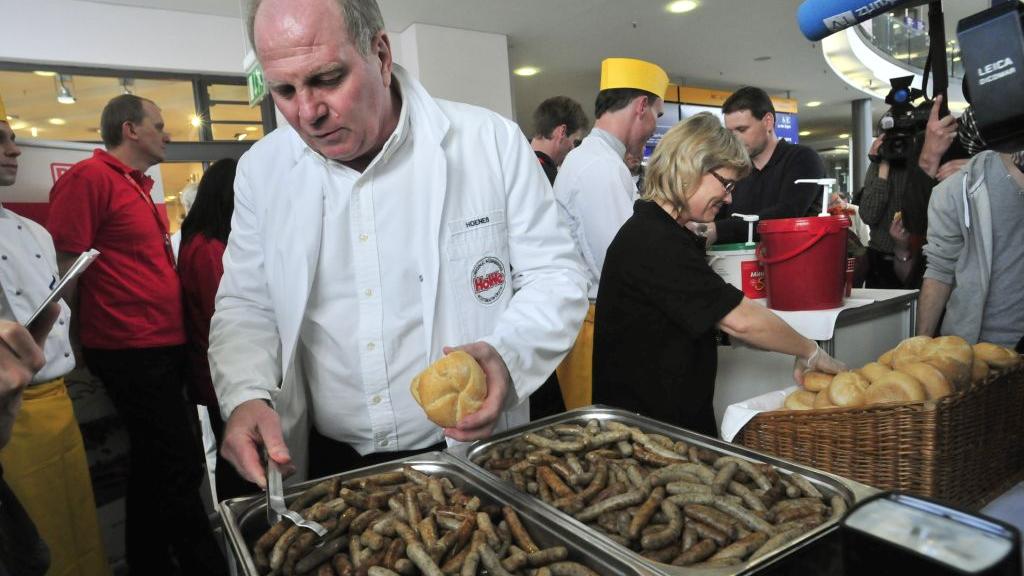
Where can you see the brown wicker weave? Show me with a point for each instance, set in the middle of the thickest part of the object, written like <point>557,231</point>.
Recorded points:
<point>964,449</point>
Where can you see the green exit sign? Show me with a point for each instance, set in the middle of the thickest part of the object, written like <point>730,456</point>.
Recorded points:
<point>257,85</point>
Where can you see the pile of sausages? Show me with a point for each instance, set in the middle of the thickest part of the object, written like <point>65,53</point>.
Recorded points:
<point>404,522</point>
<point>671,502</point>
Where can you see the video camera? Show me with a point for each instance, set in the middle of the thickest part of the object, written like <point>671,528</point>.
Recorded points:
<point>903,121</point>
<point>992,43</point>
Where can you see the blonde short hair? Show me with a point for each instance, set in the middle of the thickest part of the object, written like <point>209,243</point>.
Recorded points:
<point>686,153</point>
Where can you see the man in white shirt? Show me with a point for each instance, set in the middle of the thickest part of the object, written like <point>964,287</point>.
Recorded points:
<point>596,191</point>
<point>44,463</point>
<point>377,229</point>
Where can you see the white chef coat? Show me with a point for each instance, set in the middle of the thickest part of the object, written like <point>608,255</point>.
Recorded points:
<point>595,192</point>
<point>28,271</point>
<point>480,248</point>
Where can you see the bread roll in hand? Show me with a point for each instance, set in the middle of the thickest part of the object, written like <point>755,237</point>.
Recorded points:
<point>450,389</point>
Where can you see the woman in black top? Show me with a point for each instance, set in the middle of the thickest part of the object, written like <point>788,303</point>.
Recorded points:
<point>659,303</point>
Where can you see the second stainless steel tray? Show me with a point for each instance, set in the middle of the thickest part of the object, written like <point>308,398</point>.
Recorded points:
<point>829,484</point>
<point>245,518</point>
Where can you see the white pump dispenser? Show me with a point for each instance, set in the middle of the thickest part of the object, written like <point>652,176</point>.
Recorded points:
<point>826,184</point>
<point>751,220</point>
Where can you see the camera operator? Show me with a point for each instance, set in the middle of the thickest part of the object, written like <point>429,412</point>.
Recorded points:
<point>880,204</point>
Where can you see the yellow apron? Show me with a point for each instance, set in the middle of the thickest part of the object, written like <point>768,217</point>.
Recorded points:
<point>45,466</point>
<point>576,370</point>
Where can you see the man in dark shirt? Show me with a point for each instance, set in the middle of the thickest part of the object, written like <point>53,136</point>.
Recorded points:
<point>558,126</point>
<point>769,190</point>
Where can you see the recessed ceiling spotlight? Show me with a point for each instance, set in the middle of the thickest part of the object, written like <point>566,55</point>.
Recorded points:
<point>18,125</point>
<point>46,73</point>
<point>681,6</point>
<point>844,136</point>
<point>196,121</point>
<point>34,131</point>
<point>813,104</point>
<point>250,128</point>
<point>57,121</point>
<point>526,71</point>
<point>805,132</point>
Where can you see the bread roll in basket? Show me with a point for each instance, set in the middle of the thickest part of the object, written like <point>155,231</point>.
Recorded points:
<point>450,389</point>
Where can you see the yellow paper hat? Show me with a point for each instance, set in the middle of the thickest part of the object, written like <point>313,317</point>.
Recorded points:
<point>3,111</point>
<point>632,73</point>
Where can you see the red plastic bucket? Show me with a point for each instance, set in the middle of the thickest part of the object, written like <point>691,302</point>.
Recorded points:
<point>804,261</point>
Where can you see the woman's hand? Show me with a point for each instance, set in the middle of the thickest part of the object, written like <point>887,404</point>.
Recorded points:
<point>817,361</point>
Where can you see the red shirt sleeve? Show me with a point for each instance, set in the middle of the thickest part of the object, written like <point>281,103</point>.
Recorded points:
<point>76,205</point>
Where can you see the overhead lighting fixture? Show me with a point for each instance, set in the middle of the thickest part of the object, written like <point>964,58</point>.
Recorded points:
<point>170,198</point>
<point>241,136</point>
<point>196,121</point>
<point>45,73</point>
<point>813,104</point>
<point>127,85</point>
<point>681,6</point>
<point>844,136</point>
<point>805,132</point>
<point>64,93</point>
<point>57,121</point>
<point>18,125</point>
<point>526,71</point>
<point>34,131</point>
<point>251,128</point>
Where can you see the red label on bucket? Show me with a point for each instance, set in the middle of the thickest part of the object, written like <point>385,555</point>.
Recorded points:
<point>752,273</point>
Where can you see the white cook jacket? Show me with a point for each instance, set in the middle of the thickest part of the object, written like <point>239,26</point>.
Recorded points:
<point>473,165</point>
<point>596,192</point>
<point>28,271</point>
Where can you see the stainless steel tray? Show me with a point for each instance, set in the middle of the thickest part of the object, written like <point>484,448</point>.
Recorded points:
<point>829,484</point>
<point>245,518</point>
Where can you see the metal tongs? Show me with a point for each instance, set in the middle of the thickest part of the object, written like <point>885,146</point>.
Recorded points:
<point>276,506</point>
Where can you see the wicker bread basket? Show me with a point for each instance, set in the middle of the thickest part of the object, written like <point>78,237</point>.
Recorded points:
<point>965,449</point>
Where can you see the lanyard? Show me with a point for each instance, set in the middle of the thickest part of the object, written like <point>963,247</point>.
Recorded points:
<point>168,249</point>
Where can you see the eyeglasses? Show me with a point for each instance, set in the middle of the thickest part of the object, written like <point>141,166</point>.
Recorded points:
<point>729,185</point>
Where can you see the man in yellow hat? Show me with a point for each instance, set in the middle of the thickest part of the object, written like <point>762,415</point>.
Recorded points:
<point>44,461</point>
<point>596,191</point>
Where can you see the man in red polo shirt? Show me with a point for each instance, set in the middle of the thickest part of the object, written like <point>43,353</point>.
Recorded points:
<point>128,319</point>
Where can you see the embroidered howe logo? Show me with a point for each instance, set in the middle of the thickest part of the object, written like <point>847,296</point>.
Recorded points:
<point>488,279</point>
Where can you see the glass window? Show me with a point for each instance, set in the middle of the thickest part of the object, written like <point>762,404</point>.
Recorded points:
<point>240,132</point>
<point>31,99</point>
<point>176,177</point>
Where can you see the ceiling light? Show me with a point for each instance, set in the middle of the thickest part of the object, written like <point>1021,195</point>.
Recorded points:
<point>57,121</point>
<point>805,132</point>
<point>64,93</point>
<point>844,136</point>
<point>681,6</point>
<point>526,71</point>
<point>251,128</point>
<point>241,136</point>
<point>18,125</point>
<point>196,121</point>
<point>813,104</point>
<point>46,73</point>
<point>34,131</point>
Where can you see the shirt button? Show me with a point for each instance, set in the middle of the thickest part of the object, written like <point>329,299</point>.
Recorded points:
<point>61,322</point>
<point>384,442</point>
<point>375,400</point>
<point>67,354</point>
<point>38,256</point>
<point>17,292</point>
<point>364,237</point>
<point>3,257</point>
<point>371,346</point>
<point>368,292</point>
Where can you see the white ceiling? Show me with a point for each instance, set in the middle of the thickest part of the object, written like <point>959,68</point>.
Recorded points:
<point>714,46</point>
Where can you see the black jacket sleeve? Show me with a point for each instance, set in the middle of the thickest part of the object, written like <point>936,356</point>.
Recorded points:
<point>790,201</point>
